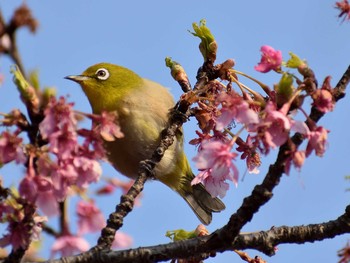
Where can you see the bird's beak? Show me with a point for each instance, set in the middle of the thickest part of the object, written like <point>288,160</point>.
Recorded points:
<point>77,78</point>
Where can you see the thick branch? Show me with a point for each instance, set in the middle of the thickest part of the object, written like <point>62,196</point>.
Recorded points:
<point>264,241</point>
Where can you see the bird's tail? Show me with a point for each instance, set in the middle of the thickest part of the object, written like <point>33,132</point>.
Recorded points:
<point>202,203</point>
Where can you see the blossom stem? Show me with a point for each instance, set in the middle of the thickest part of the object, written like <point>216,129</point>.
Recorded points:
<point>262,85</point>
<point>234,136</point>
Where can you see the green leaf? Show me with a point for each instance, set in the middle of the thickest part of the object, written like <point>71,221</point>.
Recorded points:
<point>295,61</point>
<point>208,45</point>
<point>180,234</point>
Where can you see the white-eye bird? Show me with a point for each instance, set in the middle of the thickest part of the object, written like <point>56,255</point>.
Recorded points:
<point>143,107</point>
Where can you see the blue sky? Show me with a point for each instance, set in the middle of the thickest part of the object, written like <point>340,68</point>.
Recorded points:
<point>140,34</point>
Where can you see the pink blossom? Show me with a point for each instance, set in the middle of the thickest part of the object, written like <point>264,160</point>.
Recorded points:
<point>59,127</point>
<point>323,98</point>
<point>234,108</point>
<point>300,126</point>
<point>63,143</point>
<point>271,59</point>
<point>68,245</point>
<point>19,235</point>
<point>296,158</point>
<point>215,159</point>
<point>47,203</point>
<point>106,125</point>
<point>11,148</point>
<point>276,126</point>
<point>249,152</point>
<point>253,162</point>
<point>58,115</point>
<point>28,189</point>
<point>344,8</point>
<point>92,146</point>
<point>63,177</point>
<point>213,186</point>
<point>317,141</point>
<point>106,189</point>
<point>124,186</point>
<point>90,218</point>
<point>88,171</point>
<point>122,240</point>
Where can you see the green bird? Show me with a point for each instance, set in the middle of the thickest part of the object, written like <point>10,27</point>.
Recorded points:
<point>143,107</point>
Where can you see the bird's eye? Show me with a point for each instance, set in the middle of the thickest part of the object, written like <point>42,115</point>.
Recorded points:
<point>102,74</point>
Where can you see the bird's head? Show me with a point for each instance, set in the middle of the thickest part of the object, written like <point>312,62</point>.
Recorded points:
<point>106,84</point>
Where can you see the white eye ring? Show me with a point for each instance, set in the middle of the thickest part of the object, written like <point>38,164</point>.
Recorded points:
<point>102,74</point>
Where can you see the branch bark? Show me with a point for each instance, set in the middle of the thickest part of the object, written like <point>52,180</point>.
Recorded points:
<point>264,241</point>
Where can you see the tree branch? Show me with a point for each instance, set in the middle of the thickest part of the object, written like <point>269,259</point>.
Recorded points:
<point>264,241</point>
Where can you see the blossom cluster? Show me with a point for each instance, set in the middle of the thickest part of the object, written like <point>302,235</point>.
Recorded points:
<point>267,121</point>
<point>61,160</point>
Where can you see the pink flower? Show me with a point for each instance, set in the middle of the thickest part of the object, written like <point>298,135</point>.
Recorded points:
<point>276,126</point>
<point>88,171</point>
<point>344,7</point>
<point>28,189</point>
<point>63,143</point>
<point>122,240</point>
<point>90,218</point>
<point>58,115</point>
<point>59,127</point>
<point>296,158</point>
<point>11,148</point>
<point>323,98</point>
<point>234,108</point>
<point>106,125</point>
<point>271,59</point>
<point>215,162</point>
<point>47,202</point>
<point>68,245</point>
<point>317,141</point>
<point>106,189</point>
<point>19,234</point>
<point>253,162</point>
<point>63,177</point>
<point>124,186</point>
<point>213,186</point>
<point>249,152</point>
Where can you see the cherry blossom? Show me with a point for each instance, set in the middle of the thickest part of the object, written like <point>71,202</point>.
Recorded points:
<point>271,59</point>
<point>323,98</point>
<point>122,240</point>
<point>20,235</point>
<point>11,148</point>
<point>216,166</point>
<point>90,218</point>
<point>106,125</point>
<point>68,245</point>
<point>317,141</point>
<point>234,108</point>
<point>344,8</point>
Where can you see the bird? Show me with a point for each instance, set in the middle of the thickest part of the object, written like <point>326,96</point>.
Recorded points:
<point>143,108</point>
